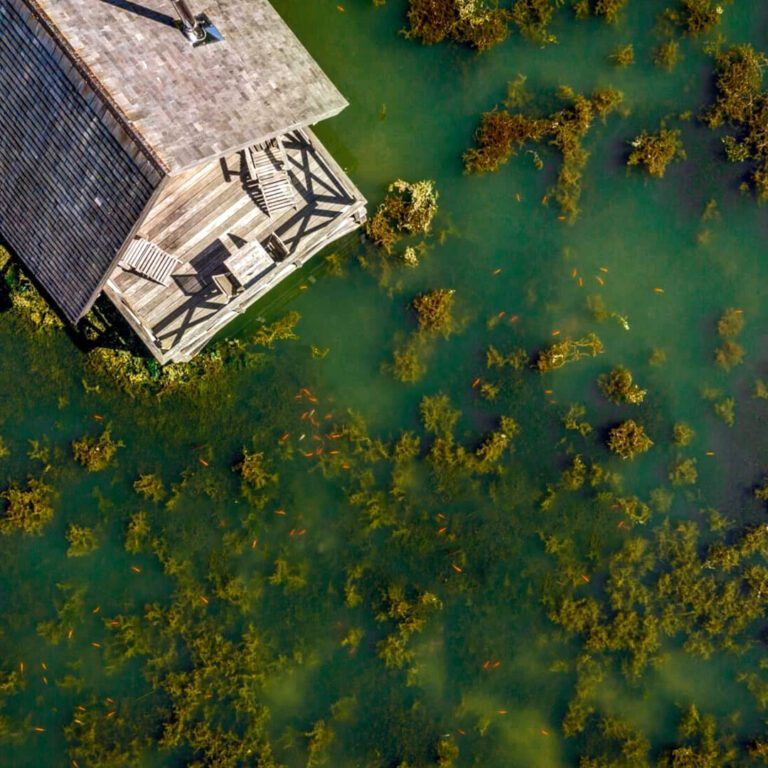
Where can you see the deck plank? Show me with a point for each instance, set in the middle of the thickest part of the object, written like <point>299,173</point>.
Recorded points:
<point>201,218</point>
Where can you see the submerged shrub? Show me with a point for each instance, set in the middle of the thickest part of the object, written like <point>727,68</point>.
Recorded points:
<point>682,434</point>
<point>470,22</point>
<point>618,387</point>
<point>695,17</point>
<point>253,470</point>
<point>742,104</point>
<point>96,453</point>
<point>731,323</point>
<point>568,351</point>
<point>26,509</point>
<point>628,440</point>
<point>684,472</point>
<point>624,55</point>
<point>608,9</point>
<point>150,487</point>
<point>533,17</point>
<point>655,151</point>
<point>408,364</point>
<point>502,134</point>
<point>667,55</point>
<point>437,414</point>
<point>408,208</point>
<point>82,540</point>
<point>434,311</point>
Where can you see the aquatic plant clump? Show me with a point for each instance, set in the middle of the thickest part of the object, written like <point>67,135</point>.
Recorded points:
<point>28,509</point>
<point>96,453</point>
<point>667,55</point>
<point>655,151</point>
<point>695,17</point>
<point>82,540</point>
<point>568,351</point>
<point>434,311</point>
<point>502,134</point>
<point>618,387</point>
<point>607,9</point>
<point>684,472</point>
<point>628,440</point>
<point>742,105</point>
<point>624,56</point>
<point>408,208</point>
<point>533,17</point>
<point>469,22</point>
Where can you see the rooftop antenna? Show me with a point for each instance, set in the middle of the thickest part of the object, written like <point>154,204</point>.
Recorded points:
<point>198,29</point>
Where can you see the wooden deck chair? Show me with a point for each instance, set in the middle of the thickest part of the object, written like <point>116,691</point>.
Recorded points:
<point>267,166</point>
<point>146,259</point>
<point>227,284</point>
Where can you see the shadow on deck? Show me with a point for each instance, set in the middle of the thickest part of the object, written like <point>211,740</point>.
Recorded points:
<point>213,219</point>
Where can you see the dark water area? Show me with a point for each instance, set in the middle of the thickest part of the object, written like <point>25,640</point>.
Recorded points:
<point>363,605</point>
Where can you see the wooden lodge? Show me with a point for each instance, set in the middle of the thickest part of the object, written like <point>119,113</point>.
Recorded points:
<point>165,160</point>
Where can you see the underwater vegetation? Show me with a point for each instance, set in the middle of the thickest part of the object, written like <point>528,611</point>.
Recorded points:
<point>96,453</point>
<point>295,561</point>
<point>476,23</point>
<point>741,106</point>
<point>502,134</point>
<point>407,209</point>
<point>655,151</point>
<point>629,439</point>
<point>568,351</point>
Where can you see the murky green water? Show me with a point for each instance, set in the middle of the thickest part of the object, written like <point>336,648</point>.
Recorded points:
<point>306,571</point>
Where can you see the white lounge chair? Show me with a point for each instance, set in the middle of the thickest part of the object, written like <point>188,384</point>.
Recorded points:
<point>146,259</point>
<point>267,166</point>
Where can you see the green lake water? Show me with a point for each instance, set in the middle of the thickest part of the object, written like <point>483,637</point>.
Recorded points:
<point>488,671</point>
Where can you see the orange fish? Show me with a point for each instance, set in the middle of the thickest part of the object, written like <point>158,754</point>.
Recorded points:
<point>443,529</point>
<point>285,437</point>
<point>555,333</point>
<point>136,569</point>
<point>585,578</point>
<point>456,568</point>
<point>496,271</point>
<point>599,279</point>
<point>574,272</point>
<point>203,599</point>
<point>501,711</point>
<point>544,732</point>
<point>659,290</point>
<point>98,417</point>
<point>203,462</point>
<point>280,512</point>
<point>581,282</point>
<point>603,269</point>
<point>340,8</point>
<point>475,382</point>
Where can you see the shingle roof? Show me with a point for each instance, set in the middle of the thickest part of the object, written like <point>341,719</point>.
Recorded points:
<point>190,104</point>
<point>70,191</point>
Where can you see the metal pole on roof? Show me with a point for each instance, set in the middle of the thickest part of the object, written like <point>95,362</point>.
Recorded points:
<point>192,26</point>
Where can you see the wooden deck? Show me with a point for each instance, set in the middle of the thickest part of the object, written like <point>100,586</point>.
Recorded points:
<point>207,213</point>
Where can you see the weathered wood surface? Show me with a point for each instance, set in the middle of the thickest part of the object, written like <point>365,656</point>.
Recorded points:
<point>70,193</point>
<point>208,214</point>
<point>192,104</point>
